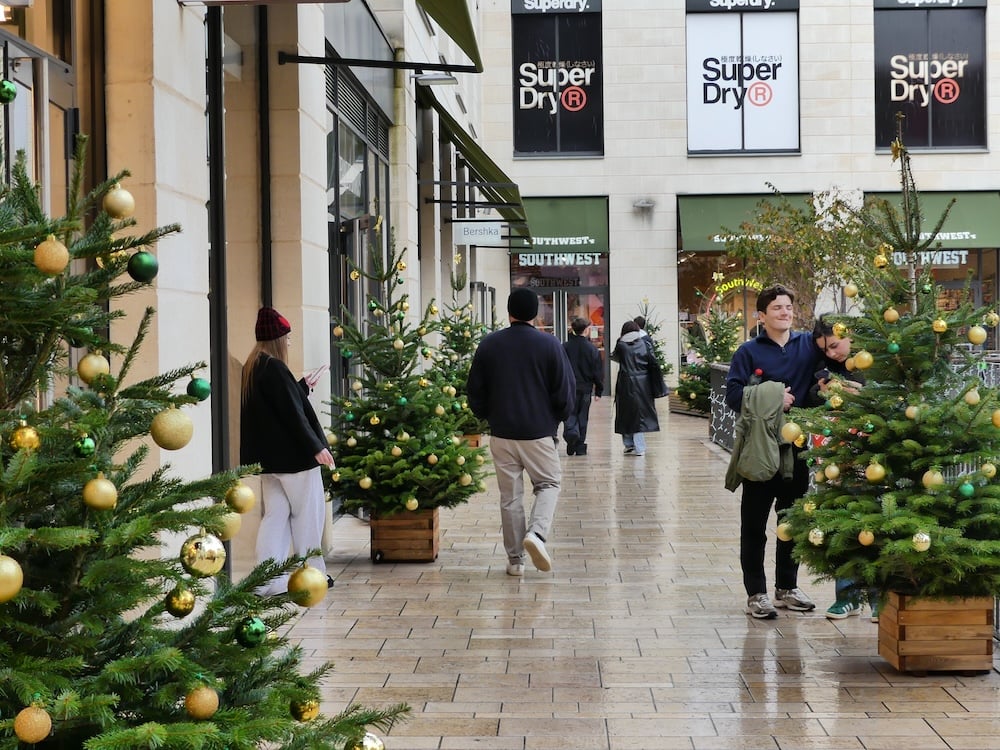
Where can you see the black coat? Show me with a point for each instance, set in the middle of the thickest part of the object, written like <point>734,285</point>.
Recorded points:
<point>587,366</point>
<point>635,407</point>
<point>278,427</point>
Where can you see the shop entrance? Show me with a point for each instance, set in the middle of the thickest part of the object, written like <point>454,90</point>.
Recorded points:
<point>558,307</point>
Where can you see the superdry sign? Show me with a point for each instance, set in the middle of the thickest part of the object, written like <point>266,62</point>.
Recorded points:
<point>742,81</point>
<point>555,6</point>
<point>930,65</point>
<point>558,81</point>
<point>722,6</point>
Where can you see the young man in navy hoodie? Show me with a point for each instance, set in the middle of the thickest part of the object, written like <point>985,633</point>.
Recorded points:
<point>522,383</point>
<point>779,354</point>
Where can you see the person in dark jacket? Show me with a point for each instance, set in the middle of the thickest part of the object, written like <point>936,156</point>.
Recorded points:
<point>638,373</point>
<point>522,383</point>
<point>280,431</point>
<point>789,357</point>
<point>589,373</point>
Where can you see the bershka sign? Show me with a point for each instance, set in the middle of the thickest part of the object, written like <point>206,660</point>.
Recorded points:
<point>723,6</point>
<point>930,65</point>
<point>742,81</point>
<point>555,6</point>
<point>483,233</point>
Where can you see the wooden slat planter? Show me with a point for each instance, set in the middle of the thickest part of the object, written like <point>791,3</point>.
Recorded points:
<point>931,635</point>
<point>680,406</point>
<point>473,441</point>
<point>406,537</point>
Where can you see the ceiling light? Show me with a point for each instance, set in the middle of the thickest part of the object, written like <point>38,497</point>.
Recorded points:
<point>435,79</point>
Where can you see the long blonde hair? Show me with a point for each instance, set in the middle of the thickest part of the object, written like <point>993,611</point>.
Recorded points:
<point>277,348</point>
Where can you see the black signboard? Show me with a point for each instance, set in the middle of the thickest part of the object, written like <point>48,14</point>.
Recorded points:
<point>739,6</point>
<point>558,84</point>
<point>930,65</point>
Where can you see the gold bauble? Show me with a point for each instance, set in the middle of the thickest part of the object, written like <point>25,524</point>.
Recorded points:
<point>465,480</point>
<point>100,493</point>
<point>118,202</point>
<point>306,710</point>
<point>816,536</point>
<point>365,483</point>
<point>352,441</point>
<point>790,432</point>
<point>307,586</point>
<point>460,460</point>
<point>921,541</point>
<point>369,742</point>
<point>932,478</point>
<point>434,309</point>
<point>411,503</point>
<point>940,325</point>
<point>432,459</point>
<point>91,367</point>
<point>25,437</point>
<point>32,724</point>
<point>331,439</point>
<point>201,703</point>
<point>800,441</point>
<point>996,418</point>
<point>396,451</point>
<point>439,410</point>
<point>401,266</point>
<point>808,507</point>
<point>977,335</point>
<point>232,522</point>
<point>866,538</point>
<point>863,360</point>
<point>849,364</point>
<point>819,477</point>
<point>398,344</point>
<point>357,385</point>
<point>891,315</point>
<point>839,330</point>
<point>832,471</point>
<point>912,412</point>
<point>11,578</point>
<point>335,476</point>
<point>203,555</point>
<point>972,397</point>
<point>403,436</point>
<point>51,256</point>
<point>171,429</point>
<point>112,257</point>
<point>240,497</point>
<point>991,319</point>
<point>179,602</point>
<point>355,275</point>
<point>374,420</point>
<point>836,401</point>
<point>881,261</point>
<point>338,331</point>
<point>874,472</point>
<point>989,470</point>
<point>850,290</point>
<point>784,532</point>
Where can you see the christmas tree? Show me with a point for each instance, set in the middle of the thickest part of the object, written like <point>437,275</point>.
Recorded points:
<point>714,339</point>
<point>459,336</point>
<point>906,497</point>
<point>397,435</point>
<point>114,634</point>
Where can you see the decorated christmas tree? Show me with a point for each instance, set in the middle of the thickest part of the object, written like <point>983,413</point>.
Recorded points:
<point>120,628</point>
<point>906,497</point>
<point>459,335</point>
<point>713,340</point>
<point>397,436</point>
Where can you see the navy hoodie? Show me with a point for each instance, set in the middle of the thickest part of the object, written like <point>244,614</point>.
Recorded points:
<point>793,364</point>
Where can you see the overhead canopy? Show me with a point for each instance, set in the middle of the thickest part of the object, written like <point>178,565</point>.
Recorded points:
<point>702,219</point>
<point>492,183</point>
<point>569,225</point>
<point>973,222</point>
<point>454,19</point>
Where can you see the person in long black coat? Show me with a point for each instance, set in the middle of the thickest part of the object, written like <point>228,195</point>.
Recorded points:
<point>635,406</point>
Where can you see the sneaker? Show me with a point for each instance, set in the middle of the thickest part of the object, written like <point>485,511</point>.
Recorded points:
<point>515,569</point>
<point>581,449</point>
<point>841,610</point>
<point>637,453</point>
<point>629,451</point>
<point>535,547</point>
<point>759,606</point>
<point>793,599</point>
<point>329,582</point>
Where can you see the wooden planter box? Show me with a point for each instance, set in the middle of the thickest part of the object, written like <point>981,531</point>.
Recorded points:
<point>473,441</point>
<point>680,406</point>
<point>406,537</point>
<point>929,635</point>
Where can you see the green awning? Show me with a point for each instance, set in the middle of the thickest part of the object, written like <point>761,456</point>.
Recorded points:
<point>454,19</point>
<point>973,222</point>
<point>702,219</point>
<point>493,184</point>
<point>569,225</point>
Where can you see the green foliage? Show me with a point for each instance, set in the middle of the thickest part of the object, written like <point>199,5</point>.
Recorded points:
<point>87,636</point>
<point>397,435</point>
<point>713,339</point>
<point>654,329</point>
<point>924,408</point>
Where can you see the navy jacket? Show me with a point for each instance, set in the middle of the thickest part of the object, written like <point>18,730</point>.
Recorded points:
<point>278,427</point>
<point>587,366</point>
<point>793,364</point>
<point>521,382</point>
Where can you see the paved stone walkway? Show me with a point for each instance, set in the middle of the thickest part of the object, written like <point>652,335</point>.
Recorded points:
<point>636,640</point>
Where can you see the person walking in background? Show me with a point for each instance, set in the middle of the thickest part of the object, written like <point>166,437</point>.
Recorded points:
<point>589,373</point>
<point>781,355</point>
<point>522,383</point>
<point>280,431</point>
<point>639,376</point>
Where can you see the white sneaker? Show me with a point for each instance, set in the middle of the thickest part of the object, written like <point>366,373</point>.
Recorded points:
<point>535,547</point>
<point>515,569</point>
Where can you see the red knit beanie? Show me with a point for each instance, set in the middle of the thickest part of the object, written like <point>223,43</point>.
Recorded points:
<point>271,325</point>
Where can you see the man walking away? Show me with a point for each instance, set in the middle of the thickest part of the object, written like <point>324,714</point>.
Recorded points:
<point>589,373</point>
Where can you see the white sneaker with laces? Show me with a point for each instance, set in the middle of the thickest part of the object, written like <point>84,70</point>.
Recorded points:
<point>535,547</point>
<point>515,569</point>
<point>760,607</point>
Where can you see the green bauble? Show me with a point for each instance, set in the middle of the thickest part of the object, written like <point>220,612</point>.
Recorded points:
<point>143,266</point>
<point>199,388</point>
<point>251,631</point>
<point>8,91</point>
<point>402,401</point>
<point>85,446</point>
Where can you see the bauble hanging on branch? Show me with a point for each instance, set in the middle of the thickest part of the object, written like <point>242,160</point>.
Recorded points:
<point>307,586</point>
<point>143,266</point>
<point>180,601</point>
<point>171,429</point>
<point>25,437</point>
<point>118,202</point>
<point>201,703</point>
<point>203,555</point>
<point>100,493</point>
<point>199,388</point>
<point>240,497</point>
<point>92,366</point>
<point>32,724</point>
<point>11,578</point>
<point>51,256</point>
<point>305,710</point>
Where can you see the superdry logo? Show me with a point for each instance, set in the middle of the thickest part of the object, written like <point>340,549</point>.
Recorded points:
<point>570,6</point>
<point>739,80</point>
<point>916,80</point>
<point>737,4</point>
<point>548,88</point>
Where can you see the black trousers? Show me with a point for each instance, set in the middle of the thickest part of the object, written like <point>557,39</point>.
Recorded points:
<point>754,511</point>
<point>575,428</point>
